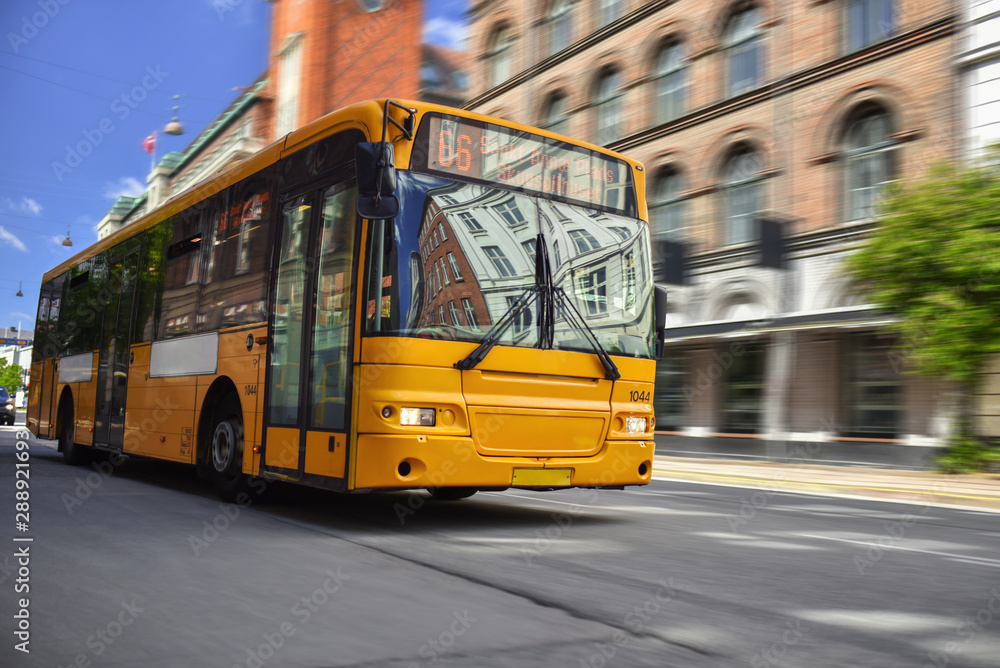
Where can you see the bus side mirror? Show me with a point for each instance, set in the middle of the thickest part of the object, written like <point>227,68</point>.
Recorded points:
<point>375,167</point>
<point>661,318</point>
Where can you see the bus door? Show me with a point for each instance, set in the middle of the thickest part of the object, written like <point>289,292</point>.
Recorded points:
<point>113,361</point>
<point>309,365</point>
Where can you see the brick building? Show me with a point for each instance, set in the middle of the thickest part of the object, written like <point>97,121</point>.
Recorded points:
<point>323,56</point>
<point>797,111</point>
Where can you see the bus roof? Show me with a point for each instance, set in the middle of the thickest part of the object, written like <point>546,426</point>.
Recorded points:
<point>365,116</point>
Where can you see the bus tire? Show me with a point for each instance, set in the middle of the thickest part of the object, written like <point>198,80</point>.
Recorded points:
<point>225,452</point>
<point>73,454</point>
<point>452,493</point>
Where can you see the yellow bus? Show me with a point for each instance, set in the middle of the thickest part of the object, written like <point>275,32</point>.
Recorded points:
<point>396,296</point>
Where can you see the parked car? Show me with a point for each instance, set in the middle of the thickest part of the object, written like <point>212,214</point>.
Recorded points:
<point>7,410</point>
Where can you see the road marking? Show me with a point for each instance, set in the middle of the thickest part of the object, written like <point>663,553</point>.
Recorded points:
<point>776,487</point>
<point>823,484</point>
<point>981,561</point>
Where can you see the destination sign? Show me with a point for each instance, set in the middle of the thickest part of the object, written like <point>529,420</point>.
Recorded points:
<point>470,149</point>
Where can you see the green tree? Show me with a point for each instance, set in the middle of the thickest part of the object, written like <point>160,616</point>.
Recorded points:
<point>933,259</point>
<point>11,376</point>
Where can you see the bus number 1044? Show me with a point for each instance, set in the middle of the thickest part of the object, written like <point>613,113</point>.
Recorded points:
<point>637,396</point>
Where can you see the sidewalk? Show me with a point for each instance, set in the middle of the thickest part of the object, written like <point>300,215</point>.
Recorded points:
<point>980,491</point>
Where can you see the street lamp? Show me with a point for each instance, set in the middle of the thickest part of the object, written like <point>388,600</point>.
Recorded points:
<point>19,293</point>
<point>174,127</point>
<point>67,241</point>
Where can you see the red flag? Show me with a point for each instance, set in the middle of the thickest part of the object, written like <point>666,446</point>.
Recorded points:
<point>149,143</point>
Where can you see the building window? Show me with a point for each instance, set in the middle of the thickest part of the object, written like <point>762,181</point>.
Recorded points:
<point>509,212</point>
<point>500,261</point>
<point>554,117</point>
<point>523,319</point>
<point>441,320</point>
<point>453,312</point>
<point>741,195</point>
<point>668,395</point>
<point>290,74</point>
<point>610,11</point>
<point>448,199</point>
<point>470,313</point>
<point>621,231</point>
<point>669,83</point>
<point>868,21</point>
<point>594,292</point>
<point>628,272</point>
<point>500,56</point>
<point>667,207</point>
<point>608,107</point>
<point>434,238</point>
<point>441,232</point>
<point>869,163</point>
<point>444,271</point>
<point>584,241</point>
<point>456,272</point>
<point>743,45</point>
<point>743,392</point>
<point>470,221</point>
<point>529,250</point>
<point>560,25</point>
<point>874,387</point>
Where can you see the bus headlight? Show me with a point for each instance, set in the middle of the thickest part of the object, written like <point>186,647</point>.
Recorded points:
<point>417,417</point>
<point>635,425</point>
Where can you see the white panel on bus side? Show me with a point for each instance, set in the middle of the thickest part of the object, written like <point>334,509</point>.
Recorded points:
<point>184,356</point>
<point>76,368</point>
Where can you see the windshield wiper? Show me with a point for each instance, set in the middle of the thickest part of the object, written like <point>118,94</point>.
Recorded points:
<point>497,331</point>
<point>548,296</point>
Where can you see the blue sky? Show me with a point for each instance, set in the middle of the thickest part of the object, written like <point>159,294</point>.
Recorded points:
<point>85,82</point>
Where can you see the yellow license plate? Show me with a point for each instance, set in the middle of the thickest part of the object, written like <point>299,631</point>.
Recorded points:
<point>542,478</point>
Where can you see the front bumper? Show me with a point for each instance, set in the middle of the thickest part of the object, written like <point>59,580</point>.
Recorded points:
<point>405,461</point>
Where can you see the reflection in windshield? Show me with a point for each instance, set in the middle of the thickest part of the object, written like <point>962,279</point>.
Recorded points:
<point>459,256</point>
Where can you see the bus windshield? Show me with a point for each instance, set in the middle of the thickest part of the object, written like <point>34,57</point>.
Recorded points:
<point>459,256</point>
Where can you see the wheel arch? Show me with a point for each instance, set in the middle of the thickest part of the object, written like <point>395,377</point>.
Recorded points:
<point>220,390</point>
<point>65,397</point>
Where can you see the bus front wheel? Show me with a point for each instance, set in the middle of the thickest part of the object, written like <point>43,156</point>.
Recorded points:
<point>226,453</point>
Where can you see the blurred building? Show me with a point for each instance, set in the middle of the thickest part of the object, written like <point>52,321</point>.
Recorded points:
<point>443,75</point>
<point>323,56</point>
<point>979,66</point>
<point>799,112</point>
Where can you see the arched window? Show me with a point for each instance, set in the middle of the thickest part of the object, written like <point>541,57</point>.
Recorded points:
<point>742,195</point>
<point>608,106</point>
<point>560,25</point>
<point>501,56</point>
<point>669,83</point>
<point>667,207</point>
<point>610,11</point>
<point>743,44</point>
<point>868,21</point>
<point>869,161</point>
<point>554,117</point>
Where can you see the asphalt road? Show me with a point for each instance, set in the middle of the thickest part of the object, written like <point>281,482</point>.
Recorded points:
<point>141,565</point>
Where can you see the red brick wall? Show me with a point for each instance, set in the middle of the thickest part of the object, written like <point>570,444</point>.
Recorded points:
<point>349,55</point>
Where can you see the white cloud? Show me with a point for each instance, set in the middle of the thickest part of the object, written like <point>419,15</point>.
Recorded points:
<point>26,205</point>
<point>126,185</point>
<point>445,32</point>
<point>12,240</point>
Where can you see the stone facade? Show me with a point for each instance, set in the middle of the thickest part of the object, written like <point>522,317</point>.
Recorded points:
<point>797,111</point>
